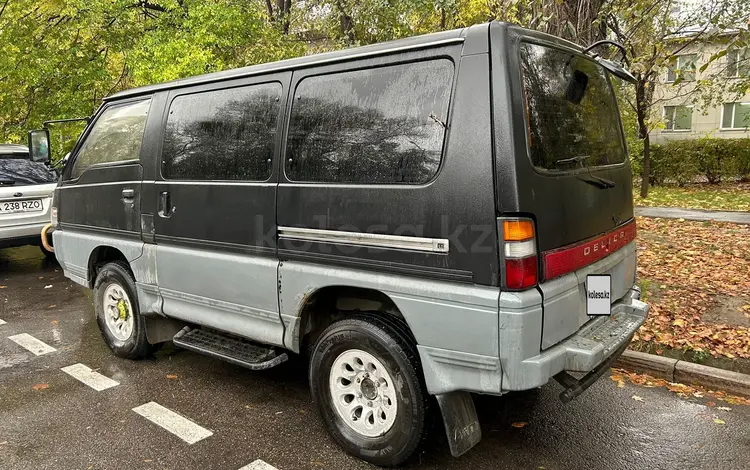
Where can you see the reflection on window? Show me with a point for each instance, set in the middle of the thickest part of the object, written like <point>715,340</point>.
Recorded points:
<point>223,134</point>
<point>571,110</point>
<point>682,67</point>
<point>115,137</point>
<point>678,118</point>
<point>382,125</point>
<point>736,116</point>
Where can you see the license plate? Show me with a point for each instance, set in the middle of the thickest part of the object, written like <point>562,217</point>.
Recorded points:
<point>598,293</point>
<point>33,205</point>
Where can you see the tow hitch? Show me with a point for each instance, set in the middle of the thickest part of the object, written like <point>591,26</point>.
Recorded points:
<point>575,387</point>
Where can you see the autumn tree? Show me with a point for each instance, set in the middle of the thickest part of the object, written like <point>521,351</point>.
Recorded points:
<point>655,33</point>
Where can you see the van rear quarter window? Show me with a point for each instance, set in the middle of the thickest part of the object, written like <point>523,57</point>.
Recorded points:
<point>116,136</point>
<point>227,134</point>
<point>571,110</point>
<point>379,125</point>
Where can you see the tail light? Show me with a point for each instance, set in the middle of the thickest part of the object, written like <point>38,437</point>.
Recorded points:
<point>519,249</point>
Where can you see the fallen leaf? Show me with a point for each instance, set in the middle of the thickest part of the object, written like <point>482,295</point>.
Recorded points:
<point>519,424</point>
<point>711,404</point>
<point>679,322</point>
<point>723,408</point>
<point>148,460</point>
<point>52,306</point>
<point>171,376</point>
<point>718,421</point>
<point>3,287</point>
<point>697,394</point>
<point>38,387</point>
<point>636,398</point>
<point>48,287</point>
<point>54,322</point>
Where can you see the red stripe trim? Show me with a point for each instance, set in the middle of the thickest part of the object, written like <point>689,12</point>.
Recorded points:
<point>572,257</point>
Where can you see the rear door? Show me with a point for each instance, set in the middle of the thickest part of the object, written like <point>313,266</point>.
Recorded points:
<point>215,221</point>
<point>568,170</point>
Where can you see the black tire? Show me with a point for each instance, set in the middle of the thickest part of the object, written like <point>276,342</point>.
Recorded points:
<point>136,346</point>
<point>388,340</point>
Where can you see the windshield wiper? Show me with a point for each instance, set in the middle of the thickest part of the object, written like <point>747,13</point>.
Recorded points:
<point>7,182</point>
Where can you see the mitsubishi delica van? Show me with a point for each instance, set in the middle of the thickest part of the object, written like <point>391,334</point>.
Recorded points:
<point>425,219</point>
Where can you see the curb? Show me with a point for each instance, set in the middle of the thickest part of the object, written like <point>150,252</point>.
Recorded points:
<point>690,373</point>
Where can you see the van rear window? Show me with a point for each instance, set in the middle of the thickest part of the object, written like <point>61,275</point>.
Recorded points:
<point>572,114</point>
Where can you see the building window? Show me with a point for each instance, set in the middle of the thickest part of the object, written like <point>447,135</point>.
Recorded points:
<point>736,116</point>
<point>374,126</point>
<point>682,67</point>
<point>738,63</point>
<point>678,118</point>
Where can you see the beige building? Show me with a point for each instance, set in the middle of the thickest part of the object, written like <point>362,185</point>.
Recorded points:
<point>681,117</point>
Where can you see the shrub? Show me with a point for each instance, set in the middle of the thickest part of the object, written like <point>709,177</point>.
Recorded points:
<point>682,161</point>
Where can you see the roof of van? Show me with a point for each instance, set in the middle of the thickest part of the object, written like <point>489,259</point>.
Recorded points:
<point>13,148</point>
<point>432,39</point>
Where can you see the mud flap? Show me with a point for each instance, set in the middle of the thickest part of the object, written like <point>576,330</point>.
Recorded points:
<point>460,419</point>
<point>161,329</point>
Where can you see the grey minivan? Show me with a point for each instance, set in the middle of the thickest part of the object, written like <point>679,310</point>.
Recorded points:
<point>424,219</point>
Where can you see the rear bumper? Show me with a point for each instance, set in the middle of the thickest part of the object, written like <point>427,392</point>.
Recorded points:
<point>20,235</point>
<point>596,342</point>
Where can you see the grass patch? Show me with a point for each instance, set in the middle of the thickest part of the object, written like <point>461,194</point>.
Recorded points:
<point>726,196</point>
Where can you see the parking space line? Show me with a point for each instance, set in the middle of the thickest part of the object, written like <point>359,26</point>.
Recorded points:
<point>27,341</point>
<point>259,465</point>
<point>89,377</point>
<point>2,322</point>
<point>178,425</point>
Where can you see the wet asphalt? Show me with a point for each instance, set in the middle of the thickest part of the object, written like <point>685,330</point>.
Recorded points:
<point>49,420</point>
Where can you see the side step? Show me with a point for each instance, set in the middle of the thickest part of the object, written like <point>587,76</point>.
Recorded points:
<point>237,351</point>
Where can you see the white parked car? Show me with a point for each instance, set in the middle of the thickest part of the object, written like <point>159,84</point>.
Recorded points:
<point>26,188</point>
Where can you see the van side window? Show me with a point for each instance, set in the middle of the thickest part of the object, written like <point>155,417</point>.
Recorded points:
<point>381,125</point>
<point>225,134</point>
<point>116,136</point>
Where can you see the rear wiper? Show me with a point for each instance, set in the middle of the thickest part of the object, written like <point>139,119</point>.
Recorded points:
<point>579,158</point>
<point>598,181</point>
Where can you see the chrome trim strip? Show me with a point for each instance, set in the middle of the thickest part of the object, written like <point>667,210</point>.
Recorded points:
<point>88,185</point>
<point>400,242</point>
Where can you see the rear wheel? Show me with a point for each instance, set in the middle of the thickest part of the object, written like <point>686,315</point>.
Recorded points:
<point>366,382</point>
<point>117,313</point>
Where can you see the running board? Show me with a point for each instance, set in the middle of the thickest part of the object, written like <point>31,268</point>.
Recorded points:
<point>237,351</point>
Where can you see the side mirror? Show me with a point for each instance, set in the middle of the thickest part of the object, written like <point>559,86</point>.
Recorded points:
<point>39,146</point>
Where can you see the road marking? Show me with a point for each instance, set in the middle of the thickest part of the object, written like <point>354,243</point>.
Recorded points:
<point>178,425</point>
<point>2,322</point>
<point>259,465</point>
<point>27,341</point>
<point>93,379</point>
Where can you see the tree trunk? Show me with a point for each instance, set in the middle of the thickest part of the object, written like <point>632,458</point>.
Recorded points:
<point>641,104</point>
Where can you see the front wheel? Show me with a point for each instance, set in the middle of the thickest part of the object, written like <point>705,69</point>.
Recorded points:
<point>117,313</point>
<point>366,382</point>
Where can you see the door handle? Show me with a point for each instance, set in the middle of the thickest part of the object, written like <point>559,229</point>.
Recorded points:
<point>165,205</point>
<point>128,195</point>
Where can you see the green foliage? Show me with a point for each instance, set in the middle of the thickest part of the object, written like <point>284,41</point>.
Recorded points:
<point>683,161</point>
